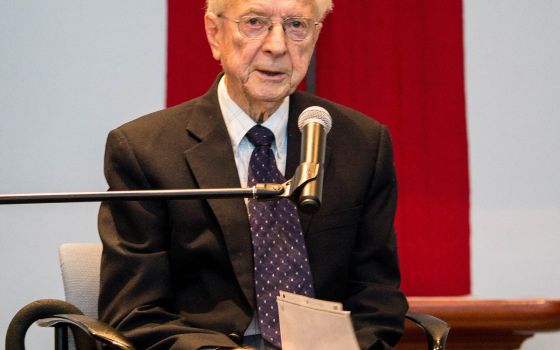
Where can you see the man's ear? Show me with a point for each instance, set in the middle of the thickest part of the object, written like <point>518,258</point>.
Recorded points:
<point>213,33</point>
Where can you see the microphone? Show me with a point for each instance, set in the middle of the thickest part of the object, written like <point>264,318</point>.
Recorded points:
<point>314,123</point>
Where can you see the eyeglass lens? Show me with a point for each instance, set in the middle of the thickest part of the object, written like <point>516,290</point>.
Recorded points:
<point>296,28</point>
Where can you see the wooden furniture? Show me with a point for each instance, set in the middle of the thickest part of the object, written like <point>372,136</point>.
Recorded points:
<point>484,324</point>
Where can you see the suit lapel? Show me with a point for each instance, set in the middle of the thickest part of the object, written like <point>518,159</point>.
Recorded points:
<point>213,165</point>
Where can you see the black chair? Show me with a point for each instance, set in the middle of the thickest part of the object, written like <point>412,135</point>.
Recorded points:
<point>80,271</point>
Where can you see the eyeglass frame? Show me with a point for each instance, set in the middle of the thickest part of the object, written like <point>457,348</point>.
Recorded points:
<point>272,23</point>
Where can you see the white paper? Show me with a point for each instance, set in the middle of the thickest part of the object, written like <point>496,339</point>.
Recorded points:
<point>313,324</point>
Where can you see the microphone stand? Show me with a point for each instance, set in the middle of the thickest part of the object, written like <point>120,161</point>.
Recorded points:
<point>305,173</point>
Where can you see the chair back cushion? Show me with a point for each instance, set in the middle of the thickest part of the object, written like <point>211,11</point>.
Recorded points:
<point>80,263</point>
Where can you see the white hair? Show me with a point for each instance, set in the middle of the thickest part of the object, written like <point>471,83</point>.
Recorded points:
<point>219,6</point>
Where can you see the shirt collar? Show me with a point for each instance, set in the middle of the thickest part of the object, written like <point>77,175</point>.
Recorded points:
<point>238,122</point>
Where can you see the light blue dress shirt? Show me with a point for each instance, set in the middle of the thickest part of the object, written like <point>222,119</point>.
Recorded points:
<point>238,123</point>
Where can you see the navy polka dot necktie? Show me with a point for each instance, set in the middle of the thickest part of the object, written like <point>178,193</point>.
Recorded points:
<point>279,251</point>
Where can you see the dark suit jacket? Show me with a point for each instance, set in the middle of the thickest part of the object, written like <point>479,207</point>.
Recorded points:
<point>178,274</point>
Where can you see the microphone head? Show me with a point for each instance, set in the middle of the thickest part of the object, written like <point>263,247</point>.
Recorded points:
<point>315,114</point>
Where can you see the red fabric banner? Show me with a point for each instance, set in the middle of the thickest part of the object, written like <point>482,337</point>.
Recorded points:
<point>191,69</point>
<point>401,62</point>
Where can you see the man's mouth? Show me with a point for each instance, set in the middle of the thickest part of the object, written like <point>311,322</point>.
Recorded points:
<point>270,73</point>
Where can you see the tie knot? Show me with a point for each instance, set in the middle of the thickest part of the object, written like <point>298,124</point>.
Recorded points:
<point>260,136</point>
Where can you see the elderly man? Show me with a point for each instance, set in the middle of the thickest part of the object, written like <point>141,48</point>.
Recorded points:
<point>200,274</point>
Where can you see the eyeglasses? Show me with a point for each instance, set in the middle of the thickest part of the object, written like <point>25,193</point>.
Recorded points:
<point>256,27</point>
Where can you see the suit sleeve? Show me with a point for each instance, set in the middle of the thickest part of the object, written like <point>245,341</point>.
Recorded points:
<point>135,293</point>
<point>377,303</point>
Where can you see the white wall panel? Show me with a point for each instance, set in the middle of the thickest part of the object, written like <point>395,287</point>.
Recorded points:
<point>513,107</point>
<point>69,72</point>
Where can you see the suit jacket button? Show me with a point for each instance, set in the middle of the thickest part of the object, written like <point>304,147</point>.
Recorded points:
<point>235,337</point>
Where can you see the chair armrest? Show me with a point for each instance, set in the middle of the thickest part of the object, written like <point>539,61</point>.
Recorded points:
<point>96,329</point>
<point>435,329</point>
<point>62,315</point>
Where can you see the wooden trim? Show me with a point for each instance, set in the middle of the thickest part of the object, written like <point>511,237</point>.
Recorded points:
<point>497,324</point>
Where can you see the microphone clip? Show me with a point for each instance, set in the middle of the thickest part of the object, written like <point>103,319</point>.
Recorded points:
<point>305,172</point>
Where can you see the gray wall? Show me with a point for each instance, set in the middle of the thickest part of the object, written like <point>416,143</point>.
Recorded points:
<point>69,72</point>
<point>72,70</point>
<point>513,106</point>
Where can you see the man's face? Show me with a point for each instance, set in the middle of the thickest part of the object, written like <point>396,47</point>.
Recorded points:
<point>265,69</point>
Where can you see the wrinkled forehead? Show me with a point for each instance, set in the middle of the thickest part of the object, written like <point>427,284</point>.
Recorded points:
<point>273,7</point>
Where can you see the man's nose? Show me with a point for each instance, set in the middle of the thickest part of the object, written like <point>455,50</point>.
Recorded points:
<point>275,40</point>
